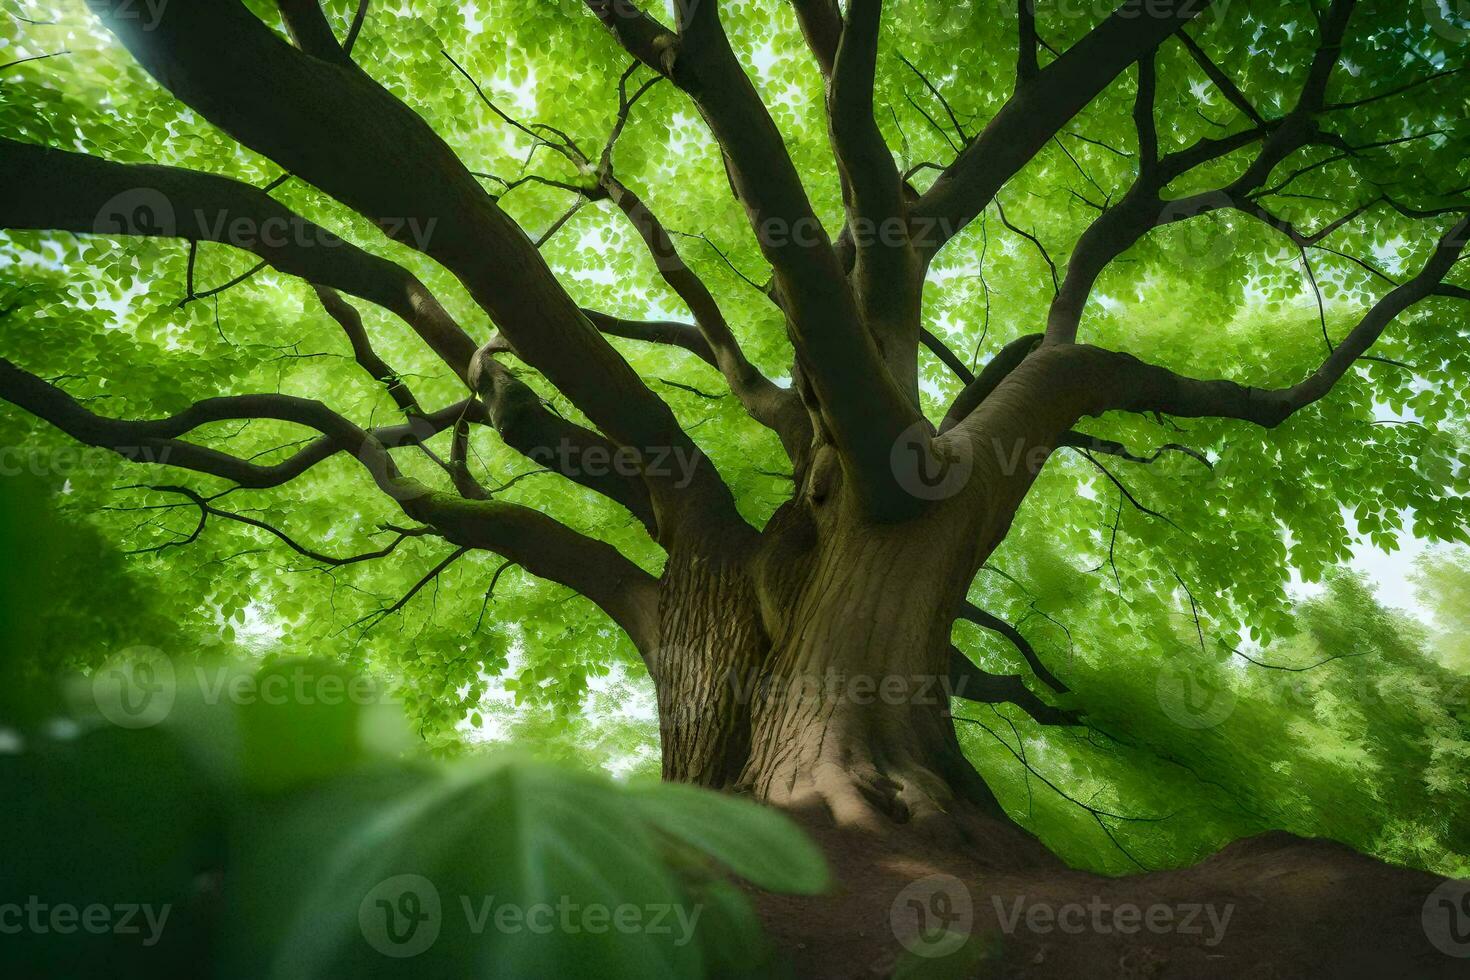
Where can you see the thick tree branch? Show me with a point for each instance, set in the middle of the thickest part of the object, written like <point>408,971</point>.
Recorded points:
<point>578,453</point>
<point>362,350</point>
<point>885,274</point>
<point>1011,432</point>
<point>1121,381</point>
<point>968,682</point>
<point>309,29</point>
<point>859,401</point>
<point>946,356</point>
<point>1221,81</point>
<point>159,440</point>
<point>701,62</point>
<point>67,191</point>
<point>974,614</point>
<point>1027,42</point>
<point>995,371</point>
<point>459,464</point>
<point>551,550</point>
<point>1144,122</point>
<point>330,124</point>
<point>540,544</point>
<point>668,332</point>
<point>1143,207</point>
<point>777,408</point>
<point>821,25</point>
<point>1005,362</point>
<point>82,194</point>
<point>1040,108</point>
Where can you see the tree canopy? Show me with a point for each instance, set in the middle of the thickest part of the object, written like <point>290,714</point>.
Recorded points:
<point>1275,197</point>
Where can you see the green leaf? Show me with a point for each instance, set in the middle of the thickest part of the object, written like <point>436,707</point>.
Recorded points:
<point>762,846</point>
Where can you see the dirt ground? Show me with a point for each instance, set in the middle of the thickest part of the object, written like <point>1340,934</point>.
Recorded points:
<point>1273,906</point>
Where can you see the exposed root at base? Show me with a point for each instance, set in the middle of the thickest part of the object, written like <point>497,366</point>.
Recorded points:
<point>911,802</point>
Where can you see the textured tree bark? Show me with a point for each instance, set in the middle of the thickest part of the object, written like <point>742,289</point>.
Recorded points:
<point>712,645</point>
<point>855,707</point>
<point>813,670</point>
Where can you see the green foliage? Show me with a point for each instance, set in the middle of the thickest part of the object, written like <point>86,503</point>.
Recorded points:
<point>1379,737</point>
<point>1445,587</point>
<point>1358,730</point>
<point>739,835</point>
<point>278,830</point>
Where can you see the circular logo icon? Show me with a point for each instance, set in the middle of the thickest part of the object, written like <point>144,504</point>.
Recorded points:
<point>1450,19</point>
<point>135,688</point>
<point>945,19</point>
<point>401,916</point>
<point>929,468</point>
<point>1202,233</point>
<point>1446,917</point>
<point>140,211</point>
<point>932,917</point>
<point>1192,699</point>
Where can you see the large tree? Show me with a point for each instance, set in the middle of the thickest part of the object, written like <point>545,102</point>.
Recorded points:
<point>1244,214</point>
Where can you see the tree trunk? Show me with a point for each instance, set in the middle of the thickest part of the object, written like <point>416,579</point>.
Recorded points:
<point>812,669</point>
<point>711,646</point>
<point>854,712</point>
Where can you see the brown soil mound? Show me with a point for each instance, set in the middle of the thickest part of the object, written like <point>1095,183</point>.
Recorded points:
<point>1273,906</point>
